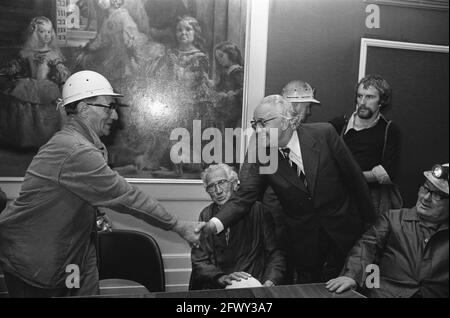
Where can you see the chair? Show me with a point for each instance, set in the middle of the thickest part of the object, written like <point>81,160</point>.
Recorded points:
<point>131,255</point>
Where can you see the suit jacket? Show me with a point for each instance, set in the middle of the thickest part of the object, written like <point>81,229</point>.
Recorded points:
<point>337,199</point>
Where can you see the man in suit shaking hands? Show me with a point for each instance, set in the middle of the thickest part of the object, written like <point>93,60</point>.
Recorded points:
<point>324,195</point>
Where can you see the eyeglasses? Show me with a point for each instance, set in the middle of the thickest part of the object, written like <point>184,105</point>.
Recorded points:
<point>436,196</point>
<point>262,122</point>
<point>111,107</point>
<point>222,184</point>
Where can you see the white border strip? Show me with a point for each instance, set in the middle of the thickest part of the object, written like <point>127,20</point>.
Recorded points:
<point>366,43</point>
<point>255,61</point>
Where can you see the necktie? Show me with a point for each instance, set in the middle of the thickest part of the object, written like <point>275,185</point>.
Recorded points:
<point>285,152</point>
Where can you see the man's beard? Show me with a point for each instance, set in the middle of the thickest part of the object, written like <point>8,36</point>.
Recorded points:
<point>364,115</point>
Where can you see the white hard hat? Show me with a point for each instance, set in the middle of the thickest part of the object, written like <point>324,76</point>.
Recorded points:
<point>439,177</point>
<point>83,85</point>
<point>299,92</point>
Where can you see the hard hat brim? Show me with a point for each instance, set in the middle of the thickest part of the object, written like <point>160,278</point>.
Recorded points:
<point>78,98</point>
<point>113,94</point>
<point>303,100</point>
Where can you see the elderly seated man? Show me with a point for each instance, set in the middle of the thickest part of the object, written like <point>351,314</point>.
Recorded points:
<point>246,249</point>
<point>410,246</point>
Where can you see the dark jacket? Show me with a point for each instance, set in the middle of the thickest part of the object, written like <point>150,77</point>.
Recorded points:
<point>250,247</point>
<point>337,198</point>
<point>3,200</point>
<point>410,261</point>
<point>377,145</point>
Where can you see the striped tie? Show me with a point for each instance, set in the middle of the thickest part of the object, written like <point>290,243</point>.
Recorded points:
<point>285,152</point>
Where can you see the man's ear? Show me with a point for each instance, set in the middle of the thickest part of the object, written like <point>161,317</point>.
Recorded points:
<point>285,123</point>
<point>82,107</point>
<point>236,185</point>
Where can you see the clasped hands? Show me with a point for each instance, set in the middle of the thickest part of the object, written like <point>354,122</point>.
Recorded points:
<point>191,231</point>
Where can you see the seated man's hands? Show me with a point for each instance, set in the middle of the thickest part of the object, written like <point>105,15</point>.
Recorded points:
<point>227,279</point>
<point>340,284</point>
<point>268,283</point>
<point>189,231</point>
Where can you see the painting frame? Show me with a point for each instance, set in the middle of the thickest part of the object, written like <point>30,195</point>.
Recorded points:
<point>254,81</point>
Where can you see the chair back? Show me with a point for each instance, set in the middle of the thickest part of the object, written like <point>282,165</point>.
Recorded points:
<point>131,255</point>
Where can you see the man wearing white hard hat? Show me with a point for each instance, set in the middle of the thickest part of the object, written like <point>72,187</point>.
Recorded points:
<point>50,228</point>
<point>410,246</point>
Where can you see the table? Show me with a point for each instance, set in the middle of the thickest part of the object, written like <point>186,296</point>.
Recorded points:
<point>284,291</point>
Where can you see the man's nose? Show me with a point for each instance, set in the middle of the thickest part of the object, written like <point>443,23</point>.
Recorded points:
<point>362,100</point>
<point>218,189</point>
<point>427,196</point>
<point>114,115</point>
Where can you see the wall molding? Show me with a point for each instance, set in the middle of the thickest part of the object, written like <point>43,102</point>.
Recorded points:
<point>366,43</point>
<point>441,5</point>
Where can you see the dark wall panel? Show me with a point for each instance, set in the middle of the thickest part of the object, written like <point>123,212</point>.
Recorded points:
<point>419,107</point>
<point>319,41</point>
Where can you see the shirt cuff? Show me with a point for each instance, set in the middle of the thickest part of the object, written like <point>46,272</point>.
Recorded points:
<point>381,175</point>
<point>218,224</point>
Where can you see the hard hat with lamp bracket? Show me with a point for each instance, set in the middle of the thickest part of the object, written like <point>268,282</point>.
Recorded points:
<point>438,176</point>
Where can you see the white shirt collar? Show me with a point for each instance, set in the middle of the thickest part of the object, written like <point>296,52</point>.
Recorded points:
<point>351,123</point>
<point>295,154</point>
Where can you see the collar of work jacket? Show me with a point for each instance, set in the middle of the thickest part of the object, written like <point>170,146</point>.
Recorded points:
<point>412,216</point>
<point>87,132</point>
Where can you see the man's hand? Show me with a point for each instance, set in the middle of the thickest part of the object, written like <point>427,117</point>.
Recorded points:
<point>237,276</point>
<point>189,231</point>
<point>207,229</point>
<point>104,224</point>
<point>268,283</point>
<point>340,284</point>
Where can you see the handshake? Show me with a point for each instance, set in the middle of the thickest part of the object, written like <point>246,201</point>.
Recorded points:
<point>191,231</point>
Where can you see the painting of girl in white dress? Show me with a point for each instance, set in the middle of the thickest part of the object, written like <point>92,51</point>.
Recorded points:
<point>31,87</point>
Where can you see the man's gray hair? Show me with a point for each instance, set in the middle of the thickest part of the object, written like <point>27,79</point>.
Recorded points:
<point>231,174</point>
<point>71,108</point>
<point>284,107</point>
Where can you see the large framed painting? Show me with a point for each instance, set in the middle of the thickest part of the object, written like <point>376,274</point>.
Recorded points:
<point>181,64</point>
